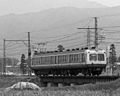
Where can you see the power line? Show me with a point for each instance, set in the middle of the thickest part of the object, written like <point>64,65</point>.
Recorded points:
<point>29,52</point>
<point>110,15</point>
<point>109,27</point>
<point>62,26</point>
<point>55,40</point>
<point>74,45</point>
<point>111,31</point>
<point>96,32</point>
<point>113,38</point>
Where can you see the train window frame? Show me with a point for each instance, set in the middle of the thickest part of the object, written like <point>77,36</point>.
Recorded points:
<point>103,58</point>
<point>95,59</point>
<point>82,57</point>
<point>32,61</point>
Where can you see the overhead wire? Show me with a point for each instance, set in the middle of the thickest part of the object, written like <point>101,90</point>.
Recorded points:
<point>66,36</point>
<point>63,26</point>
<point>61,39</point>
<point>70,35</point>
<point>110,15</point>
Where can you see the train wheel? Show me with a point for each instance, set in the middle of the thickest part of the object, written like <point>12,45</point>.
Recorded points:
<point>96,73</point>
<point>99,72</point>
<point>93,73</point>
<point>64,73</point>
<point>73,72</point>
<point>84,73</point>
<point>87,73</point>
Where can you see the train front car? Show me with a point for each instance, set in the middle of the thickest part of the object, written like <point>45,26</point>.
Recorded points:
<point>69,63</point>
<point>96,62</point>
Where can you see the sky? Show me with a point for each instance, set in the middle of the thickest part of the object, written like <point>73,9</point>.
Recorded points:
<point>109,3</point>
<point>26,6</point>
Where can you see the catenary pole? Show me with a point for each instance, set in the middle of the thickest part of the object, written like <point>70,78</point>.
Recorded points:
<point>96,33</point>
<point>4,58</point>
<point>88,38</point>
<point>29,54</point>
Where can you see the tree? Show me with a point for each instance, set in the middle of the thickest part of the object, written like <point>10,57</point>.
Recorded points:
<point>23,65</point>
<point>112,56</point>
<point>60,48</point>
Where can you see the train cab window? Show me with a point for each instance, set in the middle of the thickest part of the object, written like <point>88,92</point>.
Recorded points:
<point>93,57</point>
<point>101,57</point>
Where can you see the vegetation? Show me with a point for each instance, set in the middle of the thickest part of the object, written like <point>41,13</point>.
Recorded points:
<point>99,89</point>
<point>112,54</point>
<point>9,62</point>
<point>60,48</point>
<point>23,65</point>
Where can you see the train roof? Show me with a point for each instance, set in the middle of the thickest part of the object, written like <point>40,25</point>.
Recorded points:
<point>97,50</point>
<point>58,52</point>
<point>67,52</point>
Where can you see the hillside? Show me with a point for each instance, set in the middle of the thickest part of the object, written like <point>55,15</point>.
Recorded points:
<point>60,21</point>
<point>25,6</point>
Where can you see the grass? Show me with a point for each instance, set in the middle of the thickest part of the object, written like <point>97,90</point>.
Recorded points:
<point>99,89</point>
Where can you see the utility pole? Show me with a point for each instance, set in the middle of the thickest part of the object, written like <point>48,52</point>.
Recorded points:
<point>4,59</point>
<point>41,46</point>
<point>96,33</point>
<point>29,54</point>
<point>88,38</point>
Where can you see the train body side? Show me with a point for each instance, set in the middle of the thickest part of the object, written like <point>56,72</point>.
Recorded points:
<point>74,62</point>
<point>59,60</point>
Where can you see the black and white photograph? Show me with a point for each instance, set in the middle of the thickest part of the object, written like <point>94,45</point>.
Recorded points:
<point>59,47</point>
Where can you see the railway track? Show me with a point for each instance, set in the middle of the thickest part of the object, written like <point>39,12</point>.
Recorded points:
<point>58,81</point>
<point>74,80</point>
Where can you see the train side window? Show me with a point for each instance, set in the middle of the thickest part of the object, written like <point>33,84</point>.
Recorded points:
<point>62,57</point>
<point>46,60</point>
<point>83,57</point>
<point>53,59</point>
<point>76,58</point>
<point>73,58</point>
<point>39,60</point>
<point>59,59</point>
<point>42,61</point>
<point>80,57</point>
<point>70,58</point>
<point>49,59</point>
<point>65,58</point>
<point>33,61</point>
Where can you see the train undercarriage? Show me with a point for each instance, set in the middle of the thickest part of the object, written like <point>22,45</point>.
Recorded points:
<point>85,71</point>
